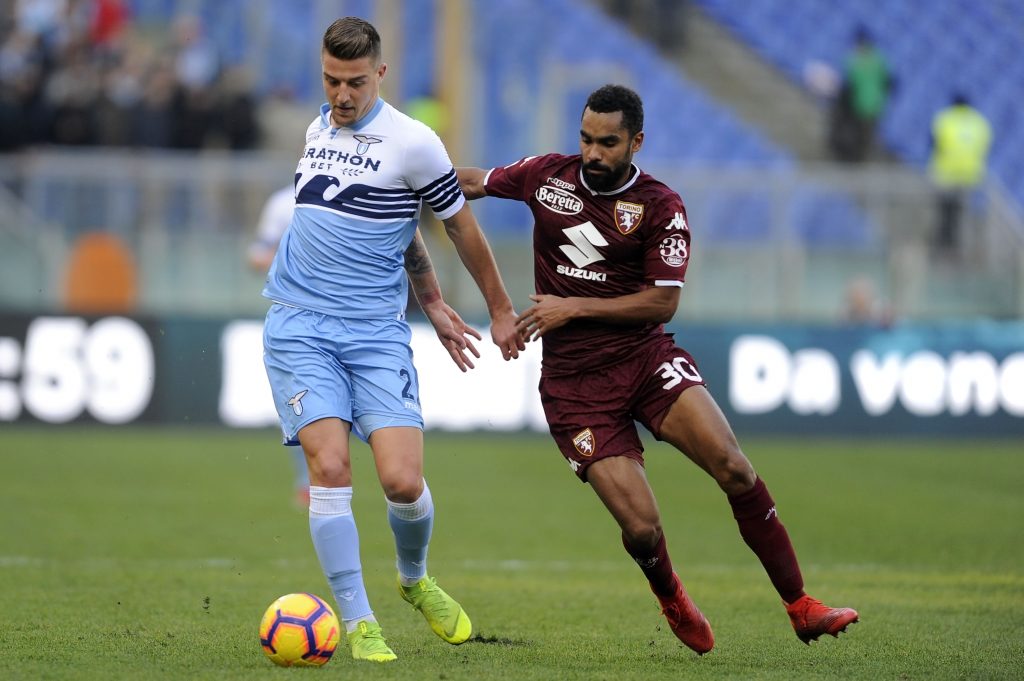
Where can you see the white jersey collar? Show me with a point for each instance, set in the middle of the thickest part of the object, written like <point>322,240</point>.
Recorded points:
<point>635,173</point>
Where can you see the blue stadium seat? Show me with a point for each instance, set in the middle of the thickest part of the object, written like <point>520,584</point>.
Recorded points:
<point>932,47</point>
<point>734,219</point>
<point>829,220</point>
<point>685,125</point>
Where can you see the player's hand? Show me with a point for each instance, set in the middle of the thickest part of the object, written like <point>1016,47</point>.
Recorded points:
<point>506,336</point>
<point>453,333</point>
<point>548,313</point>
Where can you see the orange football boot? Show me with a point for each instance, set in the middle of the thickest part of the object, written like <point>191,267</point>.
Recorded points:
<point>686,620</point>
<point>811,618</point>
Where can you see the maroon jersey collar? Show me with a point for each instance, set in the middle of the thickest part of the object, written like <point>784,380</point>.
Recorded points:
<point>635,173</point>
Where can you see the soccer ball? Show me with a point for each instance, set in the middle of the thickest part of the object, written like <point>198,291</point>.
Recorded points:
<point>299,630</point>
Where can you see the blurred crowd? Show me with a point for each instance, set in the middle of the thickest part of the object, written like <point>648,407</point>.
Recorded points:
<point>81,73</point>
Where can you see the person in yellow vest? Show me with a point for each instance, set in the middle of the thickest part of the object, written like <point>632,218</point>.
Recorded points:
<point>431,111</point>
<point>961,139</point>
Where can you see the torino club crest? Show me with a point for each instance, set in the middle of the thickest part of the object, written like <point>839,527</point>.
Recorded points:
<point>585,443</point>
<point>628,216</point>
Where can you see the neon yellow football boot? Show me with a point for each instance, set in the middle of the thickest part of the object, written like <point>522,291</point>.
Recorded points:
<point>444,615</point>
<point>367,643</point>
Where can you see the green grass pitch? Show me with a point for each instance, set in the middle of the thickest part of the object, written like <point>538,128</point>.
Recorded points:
<point>151,554</point>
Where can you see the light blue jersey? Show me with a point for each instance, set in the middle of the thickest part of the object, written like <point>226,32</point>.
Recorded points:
<point>357,197</point>
<point>337,344</point>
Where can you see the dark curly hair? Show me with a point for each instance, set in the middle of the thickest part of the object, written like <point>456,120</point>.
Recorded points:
<point>612,98</point>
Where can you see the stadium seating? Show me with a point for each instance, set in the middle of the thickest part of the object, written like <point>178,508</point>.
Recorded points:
<point>933,49</point>
<point>531,87</point>
<point>554,66</point>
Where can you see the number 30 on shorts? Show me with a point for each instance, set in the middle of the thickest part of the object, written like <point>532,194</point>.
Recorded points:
<point>675,371</point>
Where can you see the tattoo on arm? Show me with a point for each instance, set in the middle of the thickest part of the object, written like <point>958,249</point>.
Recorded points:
<point>420,270</point>
<point>417,260</point>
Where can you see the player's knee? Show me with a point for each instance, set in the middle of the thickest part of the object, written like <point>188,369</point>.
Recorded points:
<point>326,470</point>
<point>733,471</point>
<point>402,489</point>
<point>642,535</point>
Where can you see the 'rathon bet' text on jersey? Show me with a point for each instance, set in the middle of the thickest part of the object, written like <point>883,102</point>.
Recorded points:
<point>358,191</point>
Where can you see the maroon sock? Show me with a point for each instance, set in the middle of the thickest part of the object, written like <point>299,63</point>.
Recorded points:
<point>656,566</point>
<point>761,529</point>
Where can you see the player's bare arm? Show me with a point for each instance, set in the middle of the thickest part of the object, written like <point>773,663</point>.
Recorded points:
<point>451,330</point>
<point>472,182</point>
<point>656,304</point>
<point>464,231</point>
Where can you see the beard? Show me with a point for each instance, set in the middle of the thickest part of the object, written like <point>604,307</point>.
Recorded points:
<point>608,179</point>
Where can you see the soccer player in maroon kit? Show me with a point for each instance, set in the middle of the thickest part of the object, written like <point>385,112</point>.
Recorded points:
<point>611,246</point>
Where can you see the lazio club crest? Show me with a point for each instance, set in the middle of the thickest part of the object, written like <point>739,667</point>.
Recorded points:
<point>585,443</point>
<point>364,143</point>
<point>628,216</point>
<point>296,402</point>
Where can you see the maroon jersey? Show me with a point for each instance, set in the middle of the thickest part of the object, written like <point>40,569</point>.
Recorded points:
<point>596,245</point>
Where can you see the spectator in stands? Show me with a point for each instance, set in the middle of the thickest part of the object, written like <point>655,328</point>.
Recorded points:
<point>432,112</point>
<point>75,72</point>
<point>107,23</point>
<point>237,105</point>
<point>119,109</point>
<point>861,101</point>
<point>863,304</point>
<point>662,21</point>
<point>71,94</point>
<point>845,141</point>
<point>197,68</point>
<point>961,137</point>
<point>157,118</point>
<point>22,64</point>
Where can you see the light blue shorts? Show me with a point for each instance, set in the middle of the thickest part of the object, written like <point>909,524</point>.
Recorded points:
<point>357,370</point>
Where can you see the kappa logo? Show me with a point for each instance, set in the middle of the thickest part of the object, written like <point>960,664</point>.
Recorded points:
<point>628,216</point>
<point>647,563</point>
<point>364,143</point>
<point>771,512</point>
<point>296,402</point>
<point>678,222</point>
<point>559,182</point>
<point>585,443</point>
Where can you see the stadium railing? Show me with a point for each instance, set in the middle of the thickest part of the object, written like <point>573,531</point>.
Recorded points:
<point>769,244</point>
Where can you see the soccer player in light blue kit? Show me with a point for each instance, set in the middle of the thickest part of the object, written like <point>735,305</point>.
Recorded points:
<point>336,343</point>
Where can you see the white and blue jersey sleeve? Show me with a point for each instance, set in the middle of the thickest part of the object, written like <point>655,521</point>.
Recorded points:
<point>358,192</point>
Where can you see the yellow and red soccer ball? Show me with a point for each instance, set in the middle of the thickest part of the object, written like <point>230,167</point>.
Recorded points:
<point>299,630</point>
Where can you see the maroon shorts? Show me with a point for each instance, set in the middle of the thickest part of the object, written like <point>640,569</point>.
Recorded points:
<point>593,414</point>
